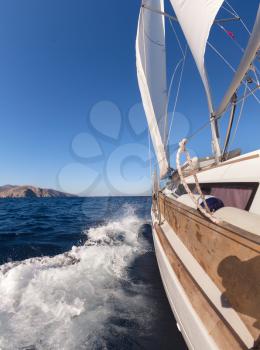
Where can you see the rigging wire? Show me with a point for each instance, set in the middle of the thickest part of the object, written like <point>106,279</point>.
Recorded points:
<point>254,68</point>
<point>255,71</point>
<point>231,67</point>
<point>233,38</point>
<point>233,12</point>
<point>177,94</point>
<point>230,12</point>
<point>204,126</point>
<point>167,132</point>
<point>236,14</point>
<point>171,82</point>
<point>221,56</point>
<point>149,152</point>
<point>168,98</point>
<point>176,36</point>
<point>248,94</point>
<point>207,124</point>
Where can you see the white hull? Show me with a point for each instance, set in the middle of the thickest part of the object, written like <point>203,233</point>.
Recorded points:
<point>195,334</point>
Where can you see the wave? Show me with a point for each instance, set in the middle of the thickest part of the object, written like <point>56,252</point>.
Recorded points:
<point>82,299</point>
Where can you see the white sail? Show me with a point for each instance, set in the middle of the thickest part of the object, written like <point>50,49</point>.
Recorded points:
<point>249,55</point>
<point>196,18</point>
<point>151,73</point>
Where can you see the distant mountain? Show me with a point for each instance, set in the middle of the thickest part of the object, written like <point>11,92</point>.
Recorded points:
<point>10,191</point>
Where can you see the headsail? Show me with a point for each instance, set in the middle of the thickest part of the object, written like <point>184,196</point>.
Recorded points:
<point>196,18</point>
<point>151,73</point>
<point>249,55</point>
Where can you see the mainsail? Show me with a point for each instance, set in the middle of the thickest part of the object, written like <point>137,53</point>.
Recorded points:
<point>196,18</point>
<point>151,73</point>
<point>249,55</point>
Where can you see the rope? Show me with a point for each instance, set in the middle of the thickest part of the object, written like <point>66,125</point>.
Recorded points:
<point>204,211</point>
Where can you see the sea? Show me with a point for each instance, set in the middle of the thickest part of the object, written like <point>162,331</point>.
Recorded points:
<point>81,273</point>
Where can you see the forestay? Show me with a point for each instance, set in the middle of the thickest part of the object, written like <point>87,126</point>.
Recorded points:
<point>151,73</point>
<point>196,18</point>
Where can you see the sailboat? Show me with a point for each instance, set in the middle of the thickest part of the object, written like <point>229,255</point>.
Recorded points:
<point>206,216</point>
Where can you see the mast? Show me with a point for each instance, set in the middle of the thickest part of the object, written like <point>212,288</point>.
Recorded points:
<point>215,137</point>
<point>230,124</point>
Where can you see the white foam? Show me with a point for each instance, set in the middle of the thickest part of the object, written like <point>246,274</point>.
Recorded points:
<point>66,302</point>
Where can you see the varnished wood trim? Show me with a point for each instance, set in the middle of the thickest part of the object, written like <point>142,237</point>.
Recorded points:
<point>230,259</point>
<point>218,328</point>
<point>224,229</point>
<point>243,236</point>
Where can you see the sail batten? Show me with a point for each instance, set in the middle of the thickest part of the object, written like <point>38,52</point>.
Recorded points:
<point>196,19</point>
<point>248,56</point>
<point>151,74</point>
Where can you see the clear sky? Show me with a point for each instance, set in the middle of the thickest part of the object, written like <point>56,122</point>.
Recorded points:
<point>69,102</point>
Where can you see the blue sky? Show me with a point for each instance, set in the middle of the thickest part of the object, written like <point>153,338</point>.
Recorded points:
<point>69,102</point>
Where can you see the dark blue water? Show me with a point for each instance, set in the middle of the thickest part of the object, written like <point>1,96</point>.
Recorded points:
<point>81,273</point>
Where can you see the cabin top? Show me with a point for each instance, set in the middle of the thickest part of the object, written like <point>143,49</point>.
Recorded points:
<point>235,182</point>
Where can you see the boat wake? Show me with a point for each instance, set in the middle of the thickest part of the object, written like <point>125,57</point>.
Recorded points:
<point>82,299</point>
